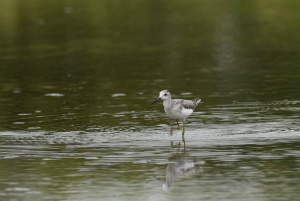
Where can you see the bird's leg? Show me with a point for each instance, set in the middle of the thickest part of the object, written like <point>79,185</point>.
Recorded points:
<point>183,140</point>
<point>178,125</point>
<point>175,128</point>
<point>179,145</point>
<point>183,130</point>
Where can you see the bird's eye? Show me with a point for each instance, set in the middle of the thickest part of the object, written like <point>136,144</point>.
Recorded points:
<point>165,94</point>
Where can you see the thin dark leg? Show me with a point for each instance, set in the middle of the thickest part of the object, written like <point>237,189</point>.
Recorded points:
<point>183,140</point>
<point>175,128</point>
<point>178,125</point>
<point>183,131</point>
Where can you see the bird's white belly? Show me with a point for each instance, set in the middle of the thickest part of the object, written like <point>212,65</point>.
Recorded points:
<point>180,115</point>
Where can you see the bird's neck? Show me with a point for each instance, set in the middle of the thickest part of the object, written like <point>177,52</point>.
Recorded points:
<point>167,103</point>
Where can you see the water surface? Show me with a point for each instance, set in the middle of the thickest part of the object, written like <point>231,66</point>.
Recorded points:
<point>77,78</point>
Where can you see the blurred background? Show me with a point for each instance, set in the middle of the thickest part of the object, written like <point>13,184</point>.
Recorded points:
<point>62,62</point>
<point>75,73</point>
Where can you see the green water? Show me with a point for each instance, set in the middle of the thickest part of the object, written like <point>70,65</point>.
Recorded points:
<point>77,78</point>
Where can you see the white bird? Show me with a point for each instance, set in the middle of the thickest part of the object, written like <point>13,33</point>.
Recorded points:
<point>177,109</point>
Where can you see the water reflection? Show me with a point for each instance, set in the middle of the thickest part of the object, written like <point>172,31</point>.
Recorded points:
<point>179,167</point>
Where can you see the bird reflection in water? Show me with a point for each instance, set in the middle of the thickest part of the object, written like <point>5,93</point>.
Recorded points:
<point>179,167</point>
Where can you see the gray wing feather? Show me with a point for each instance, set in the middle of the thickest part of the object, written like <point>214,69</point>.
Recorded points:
<point>187,104</point>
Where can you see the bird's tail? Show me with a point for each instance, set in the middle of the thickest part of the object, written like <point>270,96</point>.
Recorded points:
<point>196,100</point>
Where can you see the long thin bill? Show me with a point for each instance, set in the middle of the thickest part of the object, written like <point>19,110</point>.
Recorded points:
<point>154,101</point>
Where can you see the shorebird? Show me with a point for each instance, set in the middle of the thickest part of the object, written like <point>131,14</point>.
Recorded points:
<point>177,109</point>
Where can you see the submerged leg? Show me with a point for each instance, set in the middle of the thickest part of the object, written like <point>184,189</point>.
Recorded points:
<point>179,145</point>
<point>183,140</point>
<point>183,130</point>
<point>175,128</point>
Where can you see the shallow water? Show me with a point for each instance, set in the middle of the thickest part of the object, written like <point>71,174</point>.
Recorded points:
<point>77,78</point>
<point>91,166</point>
<point>240,158</point>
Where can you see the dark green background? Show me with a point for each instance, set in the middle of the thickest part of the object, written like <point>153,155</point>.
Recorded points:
<point>220,51</point>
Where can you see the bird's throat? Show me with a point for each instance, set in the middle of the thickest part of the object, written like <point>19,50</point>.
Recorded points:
<point>167,103</point>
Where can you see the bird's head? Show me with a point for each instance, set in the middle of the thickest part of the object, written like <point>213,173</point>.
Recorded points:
<point>164,95</point>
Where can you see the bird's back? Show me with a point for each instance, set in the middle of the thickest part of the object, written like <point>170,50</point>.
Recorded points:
<point>190,104</point>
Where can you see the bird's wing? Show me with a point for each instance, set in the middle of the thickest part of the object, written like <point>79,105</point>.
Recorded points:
<point>188,104</point>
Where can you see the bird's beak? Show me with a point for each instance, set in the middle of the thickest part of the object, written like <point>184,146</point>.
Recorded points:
<point>155,101</point>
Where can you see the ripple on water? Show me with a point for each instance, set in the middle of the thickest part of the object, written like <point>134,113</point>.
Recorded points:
<point>242,152</point>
